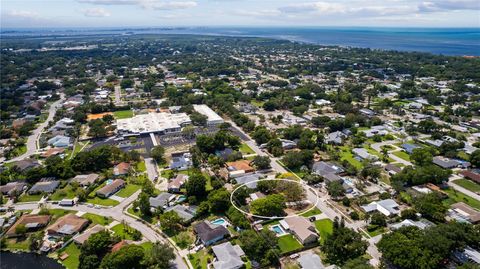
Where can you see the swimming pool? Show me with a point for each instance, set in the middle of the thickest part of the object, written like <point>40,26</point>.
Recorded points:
<point>277,229</point>
<point>220,221</point>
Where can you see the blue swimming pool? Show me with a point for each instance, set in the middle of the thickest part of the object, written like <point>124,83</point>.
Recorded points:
<point>218,222</point>
<point>277,229</point>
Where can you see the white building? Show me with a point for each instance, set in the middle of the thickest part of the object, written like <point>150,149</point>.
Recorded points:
<point>212,117</point>
<point>161,123</point>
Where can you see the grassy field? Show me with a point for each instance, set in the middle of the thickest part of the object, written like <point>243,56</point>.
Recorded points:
<point>97,219</point>
<point>312,212</point>
<point>245,149</point>
<point>288,243</point>
<point>324,228</point>
<point>73,252</point>
<point>102,201</point>
<point>65,193</point>
<point>30,198</point>
<point>345,154</point>
<point>467,184</point>
<point>123,114</point>
<point>456,196</point>
<point>128,190</point>
<point>141,167</point>
<point>120,230</point>
<point>18,244</point>
<point>200,259</point>
<point>402,154</point>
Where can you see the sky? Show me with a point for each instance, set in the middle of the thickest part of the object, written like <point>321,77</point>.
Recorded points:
<point>160,13</point>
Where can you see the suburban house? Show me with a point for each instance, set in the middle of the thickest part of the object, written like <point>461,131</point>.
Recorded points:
<point>446,163</point>
<point>329,171</point>
<point>409,147</point>
<point>31,222</point>
<point>26,164</point>
<point>85,180</point>
<point>181,161</point>
<point>228,256</point>
<point>81,238</point>
<point>392,169</point>
<point>12,188</point>
<point>59,141</point>
<point>209,233</point>
<point>121,169</point>
<point>462,212</point>
<point>335,138</point>
<point>250,180</point>
<point>52,152</point>
<point>162,200</point>
<point>387,207</point>
<point>186,213</point>
<point>363,154</point>
<point>175,185</point>
<point>111,188</point>
<point>256,195</point>
<point>310,260</point>
<point>224,153</point>
<point>421,224</point>
<point>239,168</point>
<point>67,225</point>
<point>45,185</point>
<point>301,228</point>
<point>473,175</point>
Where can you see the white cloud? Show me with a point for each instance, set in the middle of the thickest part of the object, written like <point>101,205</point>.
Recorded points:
<point>95,12</point>
<point>445,5</point>
<point>25,14</point>
<point>146,4</point>
<point>257,13</point>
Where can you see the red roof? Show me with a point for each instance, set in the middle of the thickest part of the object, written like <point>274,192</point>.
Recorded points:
<point>471,175</point>
<point>119,245</point>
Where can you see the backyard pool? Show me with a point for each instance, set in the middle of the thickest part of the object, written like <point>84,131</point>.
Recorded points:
<point>277,229</point>
<point>220,221</point>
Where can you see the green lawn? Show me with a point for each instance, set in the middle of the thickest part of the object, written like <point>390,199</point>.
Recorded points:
<point>245,149</point>
<point>30,198</point>
<point>402,154</point>
<point>147,246</point>
<point>379,230</point>
<point>312,212</point>
<point>128,190</point>
<point>324,228</point>
<point>102,201</point>
<point>73,252</point>
<point>200,259</point>
<point>18,244</point>
<point>97,219</point>
<point>288,243</point>
<point>123,114</point>
<point>456,196</point>
<point>65,193</point>
<point>141,167</point>
<point>467,184</point>
<point>119,230</point>
<point>345,154</point>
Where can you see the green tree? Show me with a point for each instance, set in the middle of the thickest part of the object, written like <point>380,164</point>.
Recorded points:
<point>271,205</point>
<point>88,262</point>
<point>198,119</point>
<point>169,220</point>
<point>144,204</point>
<point>378,219</point>
<point>261,162</point>
<point>343,244</point>
<point>130,256</point>
<point>35,241</point>
<point>430,206</point>
<point>261,135</point>
<point>196,185</point>
<point>357,263</point>
<point>157,153</point>
<point>257,245</point>
<point>219,200</point>
<point>421,156</point>
<point>20,229</point>
<point>335,189</point>
<point>475,158</point>
<point>160,256</point>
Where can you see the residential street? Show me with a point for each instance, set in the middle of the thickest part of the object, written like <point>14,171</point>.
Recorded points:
<point>32,141</point>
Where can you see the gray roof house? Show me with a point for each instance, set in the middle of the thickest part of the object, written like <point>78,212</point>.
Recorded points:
<point>228,256</point>
<point>184,212</point>
<point>322,168</point>
<point>445,162</point>
<point>59,141</point>
<point>335,138</point>
<point>310,261</point>
<point>210,233</point>
<point>85,180</point>
<point>363,154</point>
<point>44,185</point>
<point>161,200</point>
<point>246,179</point>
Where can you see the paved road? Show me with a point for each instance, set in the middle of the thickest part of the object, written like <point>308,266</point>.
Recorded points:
<point>462,189</point>
<point>32,141</point>
<point>117,214</point>
<point>118,96</point>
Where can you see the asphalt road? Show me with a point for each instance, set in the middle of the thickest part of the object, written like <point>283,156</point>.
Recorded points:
<point>32,140</point>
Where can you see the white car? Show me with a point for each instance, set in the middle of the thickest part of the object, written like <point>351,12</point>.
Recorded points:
<point>98,207</point>
<point>294,256</point>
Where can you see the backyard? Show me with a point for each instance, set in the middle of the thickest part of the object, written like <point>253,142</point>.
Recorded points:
<point>288,243</point>
<point>324,228</point>
<point>73,252</point>
<point>402,154</point>
<point>97,219</point>
<point>200,259</point>
<point>245,149</point>
<point>123,114</point>
<point>128,190</point>
<point>456,196</point>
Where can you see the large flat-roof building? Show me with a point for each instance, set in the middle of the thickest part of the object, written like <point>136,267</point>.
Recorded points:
<point>164,122</point>
<point>212,117</point>
<point>153,122</point>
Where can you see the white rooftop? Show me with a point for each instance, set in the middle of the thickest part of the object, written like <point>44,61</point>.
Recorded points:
<point>153,122</point>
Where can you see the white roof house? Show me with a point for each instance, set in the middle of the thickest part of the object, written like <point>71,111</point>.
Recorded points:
<point>387,207</point>
<point>228,256</point>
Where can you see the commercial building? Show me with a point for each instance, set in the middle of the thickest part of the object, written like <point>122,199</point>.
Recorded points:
<point>212,117</point>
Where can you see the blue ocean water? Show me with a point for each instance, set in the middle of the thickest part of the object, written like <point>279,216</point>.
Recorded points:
<point>447,41</point>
